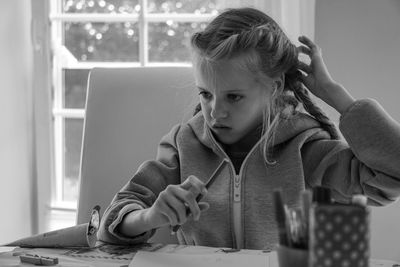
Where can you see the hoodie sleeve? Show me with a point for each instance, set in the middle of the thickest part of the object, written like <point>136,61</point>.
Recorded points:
<point>369,163</point>
<point>141,191</point>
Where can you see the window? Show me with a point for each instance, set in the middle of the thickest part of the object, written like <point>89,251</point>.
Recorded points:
<point>108,33</point>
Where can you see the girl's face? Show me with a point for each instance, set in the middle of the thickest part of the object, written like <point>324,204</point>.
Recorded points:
<point>235,105</point>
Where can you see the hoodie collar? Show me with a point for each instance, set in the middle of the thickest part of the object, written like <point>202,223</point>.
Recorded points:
<point>288,128</point>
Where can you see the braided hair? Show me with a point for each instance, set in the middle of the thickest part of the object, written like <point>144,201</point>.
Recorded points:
<point>265,51</point>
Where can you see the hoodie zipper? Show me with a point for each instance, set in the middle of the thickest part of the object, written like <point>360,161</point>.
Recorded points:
<point>237,192</point>
<point>237,188</point>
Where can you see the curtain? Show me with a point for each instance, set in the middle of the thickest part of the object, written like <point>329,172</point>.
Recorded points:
<point>16,151</point>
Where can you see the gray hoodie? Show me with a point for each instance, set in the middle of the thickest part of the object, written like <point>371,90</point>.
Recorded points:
<point>368,163</point>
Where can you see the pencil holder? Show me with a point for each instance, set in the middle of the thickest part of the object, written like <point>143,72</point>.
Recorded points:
<point>289,257</point>
<point>339,235</point>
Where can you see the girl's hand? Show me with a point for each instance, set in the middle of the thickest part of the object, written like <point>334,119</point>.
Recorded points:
<point>318,80</point>
<point>172,204</point>
<point>316,77</point>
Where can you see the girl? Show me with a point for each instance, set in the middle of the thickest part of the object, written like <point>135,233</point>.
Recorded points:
<point>252,87</point>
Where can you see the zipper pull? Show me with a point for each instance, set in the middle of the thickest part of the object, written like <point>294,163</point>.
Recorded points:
<point>237,189</point>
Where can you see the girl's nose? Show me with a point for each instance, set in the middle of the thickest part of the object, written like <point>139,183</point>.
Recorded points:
<point>218,110</point>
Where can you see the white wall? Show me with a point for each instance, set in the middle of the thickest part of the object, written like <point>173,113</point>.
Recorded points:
<point>15,123</point>
<point>360,41</point>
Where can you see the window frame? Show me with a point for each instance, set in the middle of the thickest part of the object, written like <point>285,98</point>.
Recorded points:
<point>59,113</point>
<point>42,101</point>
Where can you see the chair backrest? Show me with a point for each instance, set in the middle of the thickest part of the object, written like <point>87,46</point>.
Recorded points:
<point>127,112</point>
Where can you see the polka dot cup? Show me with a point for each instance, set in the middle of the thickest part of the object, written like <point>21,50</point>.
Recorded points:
<point>339,236</point>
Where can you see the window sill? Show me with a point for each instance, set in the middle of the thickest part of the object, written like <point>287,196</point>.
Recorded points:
<point>61,215</point>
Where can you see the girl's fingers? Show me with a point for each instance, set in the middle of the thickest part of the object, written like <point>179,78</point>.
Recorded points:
<point>172,206</point>
<point>183,202</point>
<point>179,208</point>
<point>304,67</point>
<point>196,188</point>
<point>204,206</point>
<point>306,81</point>
<point>303,77</point>
<point>189,199</point>
<point>311,46</point>
<point>193,184</point>
<point>304,50</point>
<point>305,40</point>
<point>177,202</point>
<point>166,210</point>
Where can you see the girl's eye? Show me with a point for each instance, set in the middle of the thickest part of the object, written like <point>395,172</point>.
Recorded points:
<point>205,95</point>
<point>234,97</point>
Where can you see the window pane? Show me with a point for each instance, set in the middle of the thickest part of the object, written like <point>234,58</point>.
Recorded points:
<point>75,82</point>
<point>182,6</point>
<point>170,41</point>
<point>99,41</point>
<point>72,151</point>
<point>101,6</point>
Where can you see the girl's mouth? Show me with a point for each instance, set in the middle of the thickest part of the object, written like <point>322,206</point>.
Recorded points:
<point>219,129</point>
<point>219,126</point>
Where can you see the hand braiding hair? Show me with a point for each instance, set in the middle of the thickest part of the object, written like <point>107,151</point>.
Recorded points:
<point>302,94</point>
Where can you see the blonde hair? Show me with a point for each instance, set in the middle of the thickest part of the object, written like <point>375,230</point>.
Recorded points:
<point>264,51</point>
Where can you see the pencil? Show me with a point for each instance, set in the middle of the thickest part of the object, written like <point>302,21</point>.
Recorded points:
<point>209,182</point>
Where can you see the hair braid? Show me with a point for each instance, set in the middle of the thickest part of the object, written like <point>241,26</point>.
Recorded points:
<point>301,93</point>
<point>262,36</point>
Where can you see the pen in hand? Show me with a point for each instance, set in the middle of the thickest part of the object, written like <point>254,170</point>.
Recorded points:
<point>209,182</point>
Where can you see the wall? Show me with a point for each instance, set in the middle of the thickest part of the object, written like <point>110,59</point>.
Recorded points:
<point>360,41</point>
<point>16,123</point>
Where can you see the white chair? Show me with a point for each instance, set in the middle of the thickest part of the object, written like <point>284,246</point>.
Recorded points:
<point>128,110</point>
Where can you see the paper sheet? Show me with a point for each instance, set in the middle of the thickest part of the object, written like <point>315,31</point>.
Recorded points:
<point>150,254</point>
<point>6,249</point>
<point>160,259</point>
<point>383,263</point>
